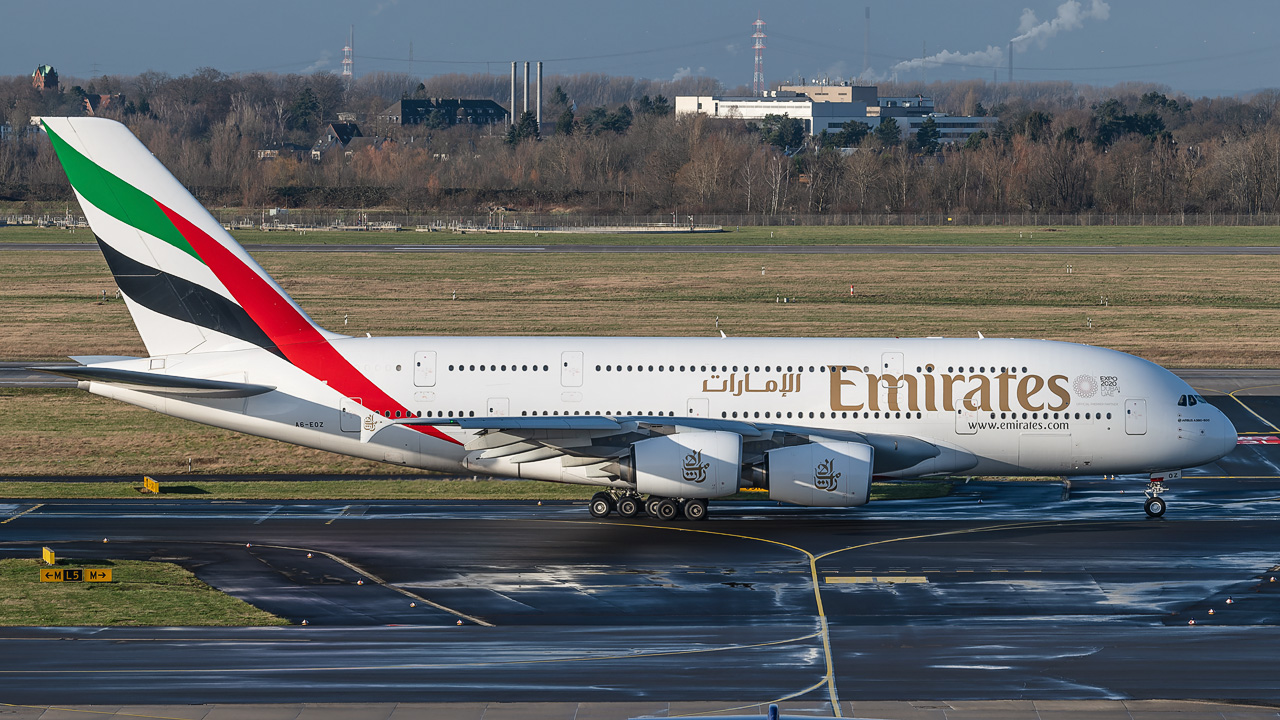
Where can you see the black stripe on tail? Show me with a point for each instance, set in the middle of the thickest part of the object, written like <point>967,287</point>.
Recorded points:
<point>182,299</point>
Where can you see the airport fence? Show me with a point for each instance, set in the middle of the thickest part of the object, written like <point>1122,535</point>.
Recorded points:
<point>306,220</point>
<point>374,220</point>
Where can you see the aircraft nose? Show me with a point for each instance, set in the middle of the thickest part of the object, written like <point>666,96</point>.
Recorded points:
<point>1226,433</point>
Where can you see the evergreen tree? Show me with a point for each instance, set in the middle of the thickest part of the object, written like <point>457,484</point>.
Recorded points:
<point>927,136</point>
<point>304,112</point>
<point>782,131</point>
<point>974,141</point>
<point>525,129</point>
<point>887,132</point>
<point>851,134</point>
<point>619,121</point>
<point>564,123</point>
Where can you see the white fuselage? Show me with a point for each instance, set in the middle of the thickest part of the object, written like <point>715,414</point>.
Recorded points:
<point>1018,407</point>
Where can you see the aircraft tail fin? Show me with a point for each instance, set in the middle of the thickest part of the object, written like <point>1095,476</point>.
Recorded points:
<point>188,284</point>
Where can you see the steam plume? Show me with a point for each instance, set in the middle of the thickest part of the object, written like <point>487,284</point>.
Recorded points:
<point>1071,15</point>
<point>991,57</point>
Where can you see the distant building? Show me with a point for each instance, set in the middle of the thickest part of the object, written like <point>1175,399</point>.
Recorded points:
<point>829,107</point>
<point>334,135</point>
<point>446,111</point>
<point>362,143</point>
<point>279,150</point>
<point>897,107</point>
<point>93,104</point>
<point>841,92</point>
<point>45,78</point>
<point>816,116</point>
<point>951,128</point>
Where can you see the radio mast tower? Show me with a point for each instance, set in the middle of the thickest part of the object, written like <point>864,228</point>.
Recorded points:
<point>347,61</point>
<point>758,86</point>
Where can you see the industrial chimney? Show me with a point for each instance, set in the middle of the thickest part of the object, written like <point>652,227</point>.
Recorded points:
<point>511,119</point>
<point>526,86</point>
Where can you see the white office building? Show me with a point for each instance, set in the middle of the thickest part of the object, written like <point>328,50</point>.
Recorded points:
<point>816,116</point>
<point>951,128</point>
<point>806,103</point>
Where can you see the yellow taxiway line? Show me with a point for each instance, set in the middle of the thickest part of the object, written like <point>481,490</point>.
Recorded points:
<point>24,512</point>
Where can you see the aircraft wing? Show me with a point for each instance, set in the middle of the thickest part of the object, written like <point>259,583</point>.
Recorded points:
<point>583,440</point>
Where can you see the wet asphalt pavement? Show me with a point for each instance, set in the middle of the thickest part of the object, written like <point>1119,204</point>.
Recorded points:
<point>999,590</point>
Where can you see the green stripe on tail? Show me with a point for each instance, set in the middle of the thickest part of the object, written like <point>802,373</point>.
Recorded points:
<point>116,197</point>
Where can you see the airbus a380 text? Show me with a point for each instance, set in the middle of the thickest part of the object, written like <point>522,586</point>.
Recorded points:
<point>659,424</point>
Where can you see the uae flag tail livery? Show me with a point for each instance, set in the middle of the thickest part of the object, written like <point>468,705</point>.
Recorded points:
<point>190,287</point>
<point>188,284</point>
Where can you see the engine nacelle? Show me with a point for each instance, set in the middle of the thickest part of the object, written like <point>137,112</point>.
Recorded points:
<point>688,465</point>
<point>821,474</point>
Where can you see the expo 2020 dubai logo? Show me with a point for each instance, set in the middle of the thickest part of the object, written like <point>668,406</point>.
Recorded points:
<point>1086,386</point>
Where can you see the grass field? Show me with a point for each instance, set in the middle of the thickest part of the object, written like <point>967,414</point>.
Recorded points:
<point>1180,311</point>
<point>69,432</point>
<point>787,235</point>
<point>142,593</point>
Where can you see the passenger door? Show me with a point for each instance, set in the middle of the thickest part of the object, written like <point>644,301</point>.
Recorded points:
<point>571,368</point>
<point>699,407</point>
<point>891,364</point>
<point>424,368</point>
<point>349,415</point>
<point>1135,416</point>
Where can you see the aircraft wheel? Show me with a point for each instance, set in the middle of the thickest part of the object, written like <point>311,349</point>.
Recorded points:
<point>695,509</point>
<point>628,506</point>
<point>1154,507</point>
<point>651,506</point>
<point>666,509</point>
<point>601,505</point>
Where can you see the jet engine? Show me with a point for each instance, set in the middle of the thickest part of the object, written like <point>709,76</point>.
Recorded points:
<point>820,474</point>
<point>688,465</point>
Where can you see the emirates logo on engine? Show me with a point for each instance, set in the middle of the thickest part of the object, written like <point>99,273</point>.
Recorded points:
<point>825,475</point>
<point>695,470</point>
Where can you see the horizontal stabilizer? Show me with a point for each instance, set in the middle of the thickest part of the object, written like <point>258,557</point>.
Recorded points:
<point>157,382</point>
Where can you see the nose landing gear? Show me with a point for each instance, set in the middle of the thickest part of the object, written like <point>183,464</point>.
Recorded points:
<point>1155,505</point>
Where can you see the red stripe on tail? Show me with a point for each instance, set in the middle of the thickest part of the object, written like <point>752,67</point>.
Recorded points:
<point>290,330</point>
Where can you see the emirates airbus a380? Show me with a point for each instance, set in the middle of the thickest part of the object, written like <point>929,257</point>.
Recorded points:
<point>660,425</point>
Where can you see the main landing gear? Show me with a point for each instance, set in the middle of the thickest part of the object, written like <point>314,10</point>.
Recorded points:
<point>629,505</point>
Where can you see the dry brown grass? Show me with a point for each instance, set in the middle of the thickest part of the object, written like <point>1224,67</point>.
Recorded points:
<point>1180,311</point>
<point>1176,310</point>
<point>69,432</point>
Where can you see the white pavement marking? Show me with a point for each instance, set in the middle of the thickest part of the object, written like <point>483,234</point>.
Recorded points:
<point>270,512</point>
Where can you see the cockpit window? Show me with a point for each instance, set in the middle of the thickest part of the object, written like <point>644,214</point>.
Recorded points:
<point>1182,401</point>
<point>1191,400</point>
<point>1201,399</point>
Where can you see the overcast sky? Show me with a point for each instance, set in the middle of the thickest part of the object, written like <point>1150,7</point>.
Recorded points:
<point>1192,46</point>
